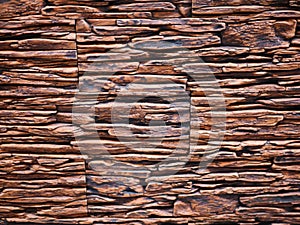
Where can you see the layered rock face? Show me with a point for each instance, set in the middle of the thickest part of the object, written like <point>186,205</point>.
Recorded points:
<point>47,49</point>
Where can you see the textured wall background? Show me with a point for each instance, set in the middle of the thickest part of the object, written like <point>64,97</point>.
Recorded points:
<point>251,46</point>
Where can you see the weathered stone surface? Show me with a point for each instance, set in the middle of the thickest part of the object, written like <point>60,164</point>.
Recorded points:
<point>146,6</point>
<point>11,8</point>
<point>204,205</point>
<point>250,46</point>
<point>224,10</point>
<point>263,34</point>
<point>182,41</point>
<point>47,186</point>
<point>58,10</point>
<point>221,7</point>
<point>289,199</point>
<point>198,3</point>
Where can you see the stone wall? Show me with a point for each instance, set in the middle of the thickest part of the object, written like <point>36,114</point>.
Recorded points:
<point>251,46</point>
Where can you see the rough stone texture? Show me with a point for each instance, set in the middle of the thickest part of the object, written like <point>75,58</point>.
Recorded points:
<point>12,8</point>
<point>253,48</point>
<point>262,34</point>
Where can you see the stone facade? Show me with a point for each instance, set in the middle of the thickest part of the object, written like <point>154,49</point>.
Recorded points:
<point>253,49</point>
